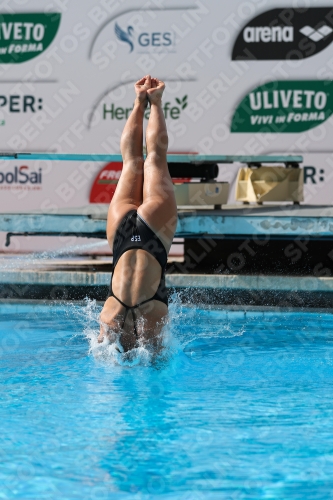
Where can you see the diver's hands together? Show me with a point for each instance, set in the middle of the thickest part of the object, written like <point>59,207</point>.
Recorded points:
<point>149,88</point>
<point>156,90</point>
<point>141,88</point>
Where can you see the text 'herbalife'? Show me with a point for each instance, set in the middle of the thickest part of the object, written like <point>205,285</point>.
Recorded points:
<point>170,110</point>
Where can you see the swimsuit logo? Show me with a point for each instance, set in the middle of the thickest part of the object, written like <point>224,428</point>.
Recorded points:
<point>136,238</point>
<point>25,36</point>
<point>285,34</point>
<point>284,106</point>
<point>156,41</point>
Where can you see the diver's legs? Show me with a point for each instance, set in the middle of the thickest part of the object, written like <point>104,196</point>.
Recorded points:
<point>159,207</point>
<point>128,194</point>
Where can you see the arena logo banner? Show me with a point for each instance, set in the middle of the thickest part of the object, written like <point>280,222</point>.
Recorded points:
<point>171,110</point>
<point>284,106</point>
<point>26,35</point>
<point>285,34</point>
<point>145,41</point>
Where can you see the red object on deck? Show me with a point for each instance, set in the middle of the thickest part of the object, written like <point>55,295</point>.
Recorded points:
<point>105,183</point>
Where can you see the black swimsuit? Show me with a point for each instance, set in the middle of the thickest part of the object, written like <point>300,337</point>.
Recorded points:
<point>134,233</point>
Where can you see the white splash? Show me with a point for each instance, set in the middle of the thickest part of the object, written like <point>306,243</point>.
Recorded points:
<point>186,324</point>
<point>112,352</point>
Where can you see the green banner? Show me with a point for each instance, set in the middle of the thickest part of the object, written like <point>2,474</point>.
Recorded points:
<point>284,107</point>
<point>25,36</point>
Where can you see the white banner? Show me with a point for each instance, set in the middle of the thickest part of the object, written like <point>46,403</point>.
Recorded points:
<point>234,85</point>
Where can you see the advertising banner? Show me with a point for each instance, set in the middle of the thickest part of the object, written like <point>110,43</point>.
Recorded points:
<point>24,36</point>
<point>285,34</point>
<point>281,107</point>
<point>241,78</point>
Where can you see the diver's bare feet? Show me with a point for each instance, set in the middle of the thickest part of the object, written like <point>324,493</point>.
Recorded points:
<point>156,90</point>
<point>141,88</point>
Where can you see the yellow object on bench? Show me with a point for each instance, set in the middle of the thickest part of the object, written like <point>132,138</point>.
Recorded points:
<point>269,184</point>
<point>201,193</point>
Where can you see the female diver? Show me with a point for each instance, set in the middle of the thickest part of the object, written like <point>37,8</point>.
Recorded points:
<point>141,224</point>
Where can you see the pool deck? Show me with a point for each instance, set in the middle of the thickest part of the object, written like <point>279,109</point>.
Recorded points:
<point>86,278</point>
<point>213,290</point>
<point>231,222</point>
<point>76,279</point>
<point>275,221</point>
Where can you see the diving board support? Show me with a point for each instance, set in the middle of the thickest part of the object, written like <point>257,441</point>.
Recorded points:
<point>275,222</point>
<point>48,233</point>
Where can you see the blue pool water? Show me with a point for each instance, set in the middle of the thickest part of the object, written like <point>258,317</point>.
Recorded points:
<point>239,407</point>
